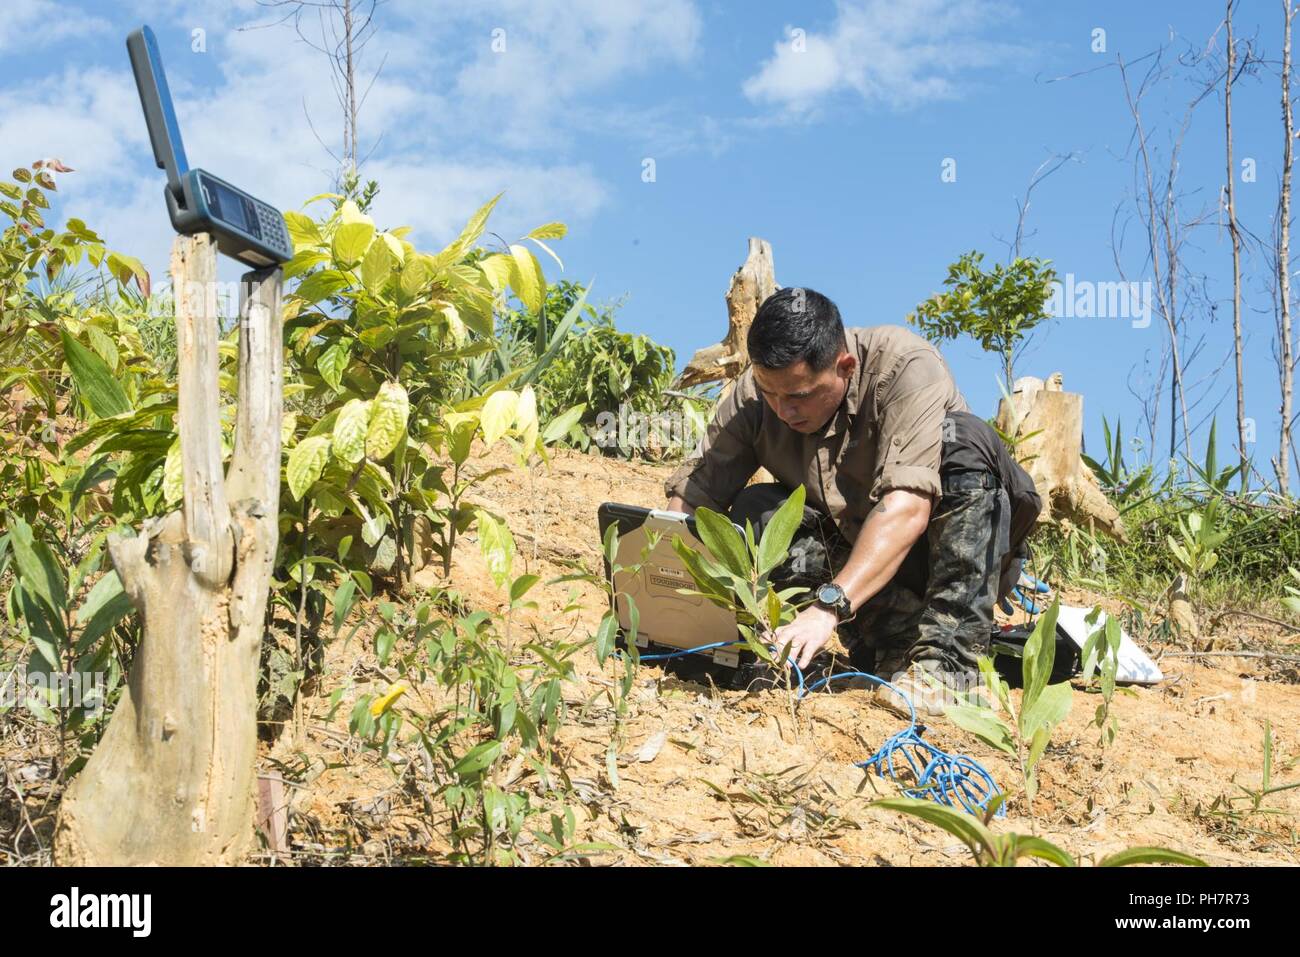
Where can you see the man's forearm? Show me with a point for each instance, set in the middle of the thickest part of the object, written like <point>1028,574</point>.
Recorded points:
<point>890,531</point>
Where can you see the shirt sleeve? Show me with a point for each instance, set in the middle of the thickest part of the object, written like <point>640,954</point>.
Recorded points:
<point>913,403</point>
<point>726,458</point>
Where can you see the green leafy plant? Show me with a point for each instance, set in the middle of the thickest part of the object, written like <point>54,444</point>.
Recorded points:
<point>998,308</point>
<point>1237,813</point>
<point>69,624</point>
<point>1100,656</point>
<point>738,576</point>
<point>495,721</point>
<point>1042,706</point>
<point>990,849</point>
<point>1127,487</point>
<point>1292,599</point>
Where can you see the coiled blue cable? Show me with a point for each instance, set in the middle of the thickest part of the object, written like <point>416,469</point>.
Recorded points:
<point>941,777</point>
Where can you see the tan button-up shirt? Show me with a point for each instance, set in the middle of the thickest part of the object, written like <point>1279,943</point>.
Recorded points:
<point>887,434</point>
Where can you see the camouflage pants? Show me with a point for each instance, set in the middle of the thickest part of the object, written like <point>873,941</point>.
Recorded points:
<point>938,608</point>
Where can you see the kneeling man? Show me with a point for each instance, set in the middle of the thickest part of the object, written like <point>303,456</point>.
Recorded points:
<point>915,516</point>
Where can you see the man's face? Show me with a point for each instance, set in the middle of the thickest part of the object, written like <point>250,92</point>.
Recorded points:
<point>801,398</point>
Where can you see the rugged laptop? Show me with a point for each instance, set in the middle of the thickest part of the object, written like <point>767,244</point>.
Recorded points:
<point>667,620</point>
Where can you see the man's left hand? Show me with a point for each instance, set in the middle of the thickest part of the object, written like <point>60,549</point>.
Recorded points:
<point>807,634</point>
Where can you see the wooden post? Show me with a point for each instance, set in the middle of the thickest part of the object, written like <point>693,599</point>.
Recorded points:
<point>173,780</point>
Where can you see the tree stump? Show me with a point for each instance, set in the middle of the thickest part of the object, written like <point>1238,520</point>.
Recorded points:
<point>173,780</point>
<point>1068,488</point>
<point>753,282</point>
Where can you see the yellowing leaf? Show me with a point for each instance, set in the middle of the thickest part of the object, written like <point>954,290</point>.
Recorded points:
<point>394,246</point>
<point>497,546</point>
<point>351,241</point>
<point>527,278</point>
<point>497,268</point>
<point>376,267</point>
<point>549,231</point>
<point>173,486</point>
<point>415,274</point>
<point>526,420</point>
<point>350,431</point>
<point>306,462</point>
<point>385,701</point>
<point>349,212</point>
<point>302,230</point>
<point>455,324</point>
<point>498,414</point>
<point>287,426</point>
<point>388,415</point>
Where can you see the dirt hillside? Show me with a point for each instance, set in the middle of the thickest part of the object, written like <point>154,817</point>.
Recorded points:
<point>794,795</point>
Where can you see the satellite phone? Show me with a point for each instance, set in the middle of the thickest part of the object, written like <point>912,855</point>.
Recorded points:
<point>247,229</point>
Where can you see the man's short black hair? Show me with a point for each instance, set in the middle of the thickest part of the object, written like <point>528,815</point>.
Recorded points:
<point>792,324</point>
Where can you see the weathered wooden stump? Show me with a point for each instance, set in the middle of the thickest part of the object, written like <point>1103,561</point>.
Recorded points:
<point>173,780</point>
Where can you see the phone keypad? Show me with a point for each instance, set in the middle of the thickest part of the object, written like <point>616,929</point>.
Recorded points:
<point>272,223</point>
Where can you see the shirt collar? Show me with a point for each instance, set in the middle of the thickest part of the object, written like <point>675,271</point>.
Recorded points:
<point>848,410</point>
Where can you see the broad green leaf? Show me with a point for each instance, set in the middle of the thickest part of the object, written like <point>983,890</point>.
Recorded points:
<point>388,414</point>
<point>332,363</point>
<point>984,724</point>
<point>520,586</point>
<point>780,531</point>
<point>320,285</point>
<point>559,426</point>
<point>1024,845</point>
<point>957,823</point>
<point>96,382</point>
<point>1039,656</point>
<point>350,431</point>
<point>344,596</point>
<point>351,241</point>
<point>306,462</point>
<point>1048,710</point>
<point>722,541</point>
<point>104,607</point>
<point>498,414</point>
<point>1150,855</point>
<point>477,759</point>
<point>605,635</point>
<point>38,569</point>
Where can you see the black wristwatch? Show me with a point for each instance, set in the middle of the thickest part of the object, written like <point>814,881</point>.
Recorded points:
<point>831,596</point>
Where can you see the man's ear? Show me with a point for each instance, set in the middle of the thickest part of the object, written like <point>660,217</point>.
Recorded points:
<point>845,364</point>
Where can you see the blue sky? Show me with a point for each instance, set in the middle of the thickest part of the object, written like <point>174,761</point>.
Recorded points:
<point>832,152</point>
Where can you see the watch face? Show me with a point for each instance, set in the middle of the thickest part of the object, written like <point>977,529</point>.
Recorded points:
<point>829,594</point>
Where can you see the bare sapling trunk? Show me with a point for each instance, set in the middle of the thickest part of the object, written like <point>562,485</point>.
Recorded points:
<point>1281,467</point>
<point>173,780</point>
<point>1236,253</point>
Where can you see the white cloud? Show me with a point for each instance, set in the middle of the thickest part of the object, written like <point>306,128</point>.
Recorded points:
<point>900,55</point>
<point>32,24</point>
